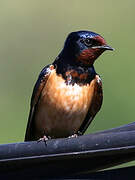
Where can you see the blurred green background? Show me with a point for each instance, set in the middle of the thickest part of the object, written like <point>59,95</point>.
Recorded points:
<point>32,33</point>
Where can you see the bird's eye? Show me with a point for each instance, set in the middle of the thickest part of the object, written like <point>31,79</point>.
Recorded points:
<point>88,42</point>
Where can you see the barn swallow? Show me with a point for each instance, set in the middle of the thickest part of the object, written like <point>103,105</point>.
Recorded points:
<point>68,92</point>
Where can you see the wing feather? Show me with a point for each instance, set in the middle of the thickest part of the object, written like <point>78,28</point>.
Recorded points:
<point>95,104</point>
<point>41,82</point>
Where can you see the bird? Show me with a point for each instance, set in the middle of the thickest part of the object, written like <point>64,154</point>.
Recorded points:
<point>68,92</point>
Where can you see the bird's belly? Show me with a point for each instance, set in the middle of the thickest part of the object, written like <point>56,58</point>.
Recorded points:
<point>62,108</point>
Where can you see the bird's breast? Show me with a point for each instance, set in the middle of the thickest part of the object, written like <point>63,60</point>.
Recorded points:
<point>62,108</point>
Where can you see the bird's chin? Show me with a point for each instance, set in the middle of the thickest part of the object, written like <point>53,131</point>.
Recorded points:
<point>88,56</point>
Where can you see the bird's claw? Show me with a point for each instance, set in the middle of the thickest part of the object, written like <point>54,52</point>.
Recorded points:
<point>74,135</point>
<point>44,139</point>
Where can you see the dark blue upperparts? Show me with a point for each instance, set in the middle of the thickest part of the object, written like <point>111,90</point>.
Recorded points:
<point>44,71</point>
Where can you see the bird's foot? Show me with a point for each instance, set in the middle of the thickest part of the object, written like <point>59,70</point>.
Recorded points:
<point>44,139</point>
<point>74,135</point>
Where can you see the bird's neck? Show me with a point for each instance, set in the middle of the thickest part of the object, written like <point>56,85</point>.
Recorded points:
<point>73,73</point>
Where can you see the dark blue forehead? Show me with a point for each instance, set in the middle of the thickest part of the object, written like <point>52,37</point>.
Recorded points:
<point>82,34</point>
<point>85,34</point>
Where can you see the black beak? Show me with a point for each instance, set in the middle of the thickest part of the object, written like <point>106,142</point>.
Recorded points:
<point>106,47</point>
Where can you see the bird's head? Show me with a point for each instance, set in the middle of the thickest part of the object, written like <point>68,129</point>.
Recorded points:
<point>84,47</point>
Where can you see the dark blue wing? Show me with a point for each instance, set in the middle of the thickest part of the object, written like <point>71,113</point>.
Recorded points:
<point>95,105</point>
<point>43,76</point>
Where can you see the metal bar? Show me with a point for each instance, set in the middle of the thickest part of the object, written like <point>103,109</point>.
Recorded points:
<point>69,156</point>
